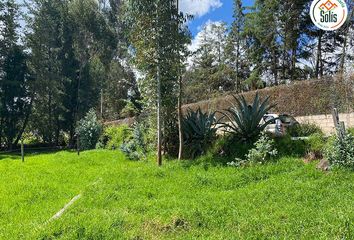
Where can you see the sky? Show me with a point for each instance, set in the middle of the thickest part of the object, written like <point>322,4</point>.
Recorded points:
<point>206,12</point>
<point>209,11</point>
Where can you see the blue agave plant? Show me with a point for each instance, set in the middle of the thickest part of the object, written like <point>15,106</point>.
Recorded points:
<point>244,119</point>
<point>199,130</point>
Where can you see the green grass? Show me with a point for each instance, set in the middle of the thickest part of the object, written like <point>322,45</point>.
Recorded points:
<point>137,200</point>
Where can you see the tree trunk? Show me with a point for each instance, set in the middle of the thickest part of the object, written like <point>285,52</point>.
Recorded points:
<point>319,54</point>
<point>237,61</point>
<point>57,130</point>
<point>102,104</point>
<point>180,130</point>
<point>179,113</point>
<point>293,64</point>
<point>284,58</point>
<point>50,120</point>
<point>275,67</point>
<point>159,129</point>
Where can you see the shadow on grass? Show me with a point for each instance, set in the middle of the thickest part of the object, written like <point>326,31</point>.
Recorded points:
<point>16,154</point>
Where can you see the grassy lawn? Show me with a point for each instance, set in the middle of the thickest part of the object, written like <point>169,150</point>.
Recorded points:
<point>137,200</point>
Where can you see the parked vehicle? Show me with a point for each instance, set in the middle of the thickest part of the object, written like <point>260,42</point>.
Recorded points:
<point>280,124</point>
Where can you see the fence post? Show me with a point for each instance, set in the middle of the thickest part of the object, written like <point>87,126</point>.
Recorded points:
<point>340,126</point>
<point>22,151</point>
<point>78,144</point>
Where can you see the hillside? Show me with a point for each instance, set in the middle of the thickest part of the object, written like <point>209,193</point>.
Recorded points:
<point>302,98</point>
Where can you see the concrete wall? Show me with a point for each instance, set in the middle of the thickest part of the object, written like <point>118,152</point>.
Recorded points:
<point>326,121</point>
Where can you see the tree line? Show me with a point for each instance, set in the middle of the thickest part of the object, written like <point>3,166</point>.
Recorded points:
<point>270,43</point>
<point>58,60</point>
<point>61,58</point>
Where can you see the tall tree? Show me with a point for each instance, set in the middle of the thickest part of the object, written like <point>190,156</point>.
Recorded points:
<point>15,81</point>
<point>158,55</point>
<point>72,45</point>
<point>236,46</point>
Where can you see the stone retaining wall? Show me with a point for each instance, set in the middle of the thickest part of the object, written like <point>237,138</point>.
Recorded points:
<point>325,122</point>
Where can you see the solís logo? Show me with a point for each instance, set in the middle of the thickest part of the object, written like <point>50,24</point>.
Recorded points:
<point>329,15</point>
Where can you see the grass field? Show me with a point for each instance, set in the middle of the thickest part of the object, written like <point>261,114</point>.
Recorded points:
<point>137,200</point>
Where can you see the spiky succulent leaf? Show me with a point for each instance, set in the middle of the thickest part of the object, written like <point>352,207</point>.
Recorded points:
<point>244,119</point>
<point>199,131</point>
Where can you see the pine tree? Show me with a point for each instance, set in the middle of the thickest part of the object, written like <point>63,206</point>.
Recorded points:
<point>15,82</point>
<point>236,46</point>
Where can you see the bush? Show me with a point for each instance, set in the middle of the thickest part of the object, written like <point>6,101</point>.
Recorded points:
<point>113,137</point>
<point>287,147</point>
<point>304,130</point>
<point>199,132</point>
<point>136,145</point>
<point>230,147</point>
<point>315,145</point>
<point>351,131</point>
<point>262,152</point>
<point>340,152</point>
<point>89,130</point>
<point>30,138</point>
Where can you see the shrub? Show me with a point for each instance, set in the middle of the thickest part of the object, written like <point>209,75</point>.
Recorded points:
<point>340,152</point>
<point>244,119</point>
<point>89,130</point>
<point>230,147</point>
<point>30,138</point>
<point>113,137</point>
<point>351,131</point>
<point>315,145</point>
<point>304,130</point>
<point>135,146</point>
<point>262,152</point>
<point>199,130</point>
<point>287,147</point>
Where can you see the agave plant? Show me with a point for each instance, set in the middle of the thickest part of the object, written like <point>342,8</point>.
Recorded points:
<point>244,120</point>
<point>199,130</point>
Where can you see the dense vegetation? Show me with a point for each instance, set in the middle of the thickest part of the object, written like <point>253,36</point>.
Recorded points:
<point>131,199</point>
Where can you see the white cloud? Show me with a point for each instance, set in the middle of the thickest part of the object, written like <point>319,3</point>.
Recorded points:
<point>199,8</point>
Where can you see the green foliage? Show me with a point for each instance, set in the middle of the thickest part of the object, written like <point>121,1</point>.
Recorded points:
<point>113,137</point>
<point>229,147</point>
<point>89,130</point>
<point>351,131</point>
<point>244,119</point>
<point>304,130</point>
<point>30,138</point>
<point>262,152</point>
<point>74,58</point>
<point>287,147</point>
<point>316,144</point>
<point>16,93</point>
<point>340,152</point>
<point>199,131</point>
<point>136,143</point>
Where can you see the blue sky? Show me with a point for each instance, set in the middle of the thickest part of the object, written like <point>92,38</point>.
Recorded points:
<point>222,11</point>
